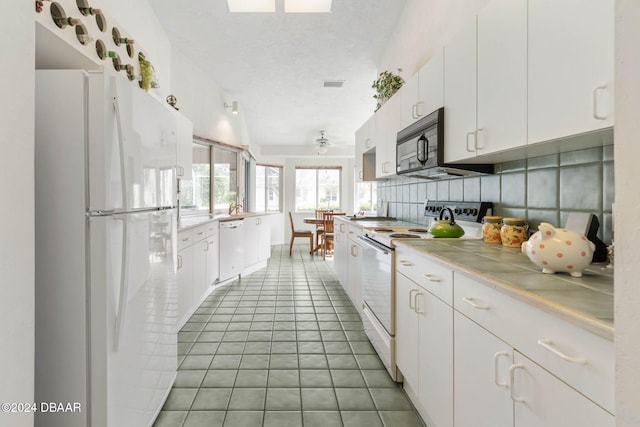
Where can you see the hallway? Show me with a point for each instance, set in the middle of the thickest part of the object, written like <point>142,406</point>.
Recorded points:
<point>282,347</point>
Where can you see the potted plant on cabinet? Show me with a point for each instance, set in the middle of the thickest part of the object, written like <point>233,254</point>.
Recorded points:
<point>386,85</point>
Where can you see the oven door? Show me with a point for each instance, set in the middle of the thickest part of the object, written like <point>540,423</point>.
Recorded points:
<point>377,282</point>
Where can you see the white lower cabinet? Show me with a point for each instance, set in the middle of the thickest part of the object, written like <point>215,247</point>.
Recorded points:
<point>472,356</point>
<point>257,239</point>
<point>341,253</point>
<point>541,370</point>
<point>481,365</point>
<point>184,277</point>
<point>198,267</point>
<point>347,260</point>
<point>354,272</point>
<point>424,350</point>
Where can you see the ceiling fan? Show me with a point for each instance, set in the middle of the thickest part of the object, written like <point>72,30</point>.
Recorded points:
<point>322,144</point>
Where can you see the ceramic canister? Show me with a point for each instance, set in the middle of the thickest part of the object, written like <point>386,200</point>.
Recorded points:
<point>513,232</point>
<point>491,229</point>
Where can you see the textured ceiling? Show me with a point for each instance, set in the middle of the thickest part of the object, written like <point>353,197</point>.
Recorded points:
<point>274,64</point>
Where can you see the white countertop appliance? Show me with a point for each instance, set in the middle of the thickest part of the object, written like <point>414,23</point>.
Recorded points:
<point>105,291</point>
<point>378,271</point>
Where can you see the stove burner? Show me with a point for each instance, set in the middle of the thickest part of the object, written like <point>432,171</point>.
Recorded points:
<point>404,236</point>
<point>383,229</point>
<point>418,230</point>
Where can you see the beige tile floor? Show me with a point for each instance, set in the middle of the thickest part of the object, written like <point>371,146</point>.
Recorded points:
<point>282,347</point>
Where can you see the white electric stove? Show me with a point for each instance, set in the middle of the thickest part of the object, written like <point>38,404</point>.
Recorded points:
<point>378,270</point>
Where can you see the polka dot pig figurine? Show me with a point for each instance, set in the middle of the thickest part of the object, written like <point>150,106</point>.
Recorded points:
<point>559,250</point>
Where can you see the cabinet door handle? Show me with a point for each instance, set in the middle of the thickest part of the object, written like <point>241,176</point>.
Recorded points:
<point>412,307</point>
<point>595,103</point>
<point>384,167</point>
<point>474,304</point>
<point>354,250</point>
<point>342,228</point>
<point>512,379</point>
<point>207,248</point>
<point>432,278</point>
<point>471,150</point>
<point>496,359</point>
<point>366,142</point>
<point>415,302</point>
<point>179,171</point>
<point>361,175</point>
<point>414,111</point>
<point>417,106</point>
<point>179,262</point>
<point>548,345</point>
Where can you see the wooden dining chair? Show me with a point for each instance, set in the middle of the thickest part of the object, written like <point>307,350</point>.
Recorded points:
<point>299,233</point>
<point>320,227</point>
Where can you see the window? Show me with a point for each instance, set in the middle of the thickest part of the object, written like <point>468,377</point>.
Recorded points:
<point>268,180</point>
<point>317,188</point>
<point>366,196</point>
<point>225,179</point>
<point>195,194</point>
<point>211,189</point>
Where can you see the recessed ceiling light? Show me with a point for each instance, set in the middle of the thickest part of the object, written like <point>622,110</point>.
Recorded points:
<point>252,6</point>
<point>307,6</point>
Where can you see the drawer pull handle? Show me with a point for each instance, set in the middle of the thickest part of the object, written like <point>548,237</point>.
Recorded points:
<point>186,239</point>
<point>412,307</point>
<point>595,103</point>
<point>474,304</point>
<point>496,358</point>
<point>512,378</point>
<point>406,263</point>
<point>201,233</point>
<point>547,344</point>
<point>415,302</point>
<point>432,278</point>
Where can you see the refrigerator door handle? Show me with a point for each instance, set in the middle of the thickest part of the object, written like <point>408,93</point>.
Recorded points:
<point>124,288</point>
<point>116,109</point>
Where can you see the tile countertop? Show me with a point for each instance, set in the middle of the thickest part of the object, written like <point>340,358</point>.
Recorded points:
<point>586,302</point>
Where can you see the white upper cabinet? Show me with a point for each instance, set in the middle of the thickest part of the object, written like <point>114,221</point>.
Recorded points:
<point>502,76</point>
<point>387,125</point>
<point>185,146</point>
<point>365,141</point>
<point>460,87</point>
<point>571,57</point>
<point>424,92</point>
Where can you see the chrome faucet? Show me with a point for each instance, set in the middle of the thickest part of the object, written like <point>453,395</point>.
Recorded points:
<point>234,207</point>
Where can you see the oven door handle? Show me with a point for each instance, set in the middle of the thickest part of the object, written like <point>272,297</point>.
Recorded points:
<point>373,245</point>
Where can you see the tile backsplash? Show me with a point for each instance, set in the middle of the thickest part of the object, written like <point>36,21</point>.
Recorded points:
<point>540,189</point>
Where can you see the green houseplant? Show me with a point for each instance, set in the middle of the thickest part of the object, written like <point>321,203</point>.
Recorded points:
<point>386,85</point>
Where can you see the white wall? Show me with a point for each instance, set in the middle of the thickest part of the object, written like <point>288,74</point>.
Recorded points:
<point>17,214</point>
<point>627,216</point>
<point>423,28</point>
<point>202,101</point>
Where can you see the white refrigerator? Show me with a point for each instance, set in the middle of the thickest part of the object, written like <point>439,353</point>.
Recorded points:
<point>106,296</point>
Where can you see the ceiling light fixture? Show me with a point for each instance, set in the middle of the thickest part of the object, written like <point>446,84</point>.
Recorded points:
<point>252,6</point>
<point>307,6</point>
<point>233,107</point>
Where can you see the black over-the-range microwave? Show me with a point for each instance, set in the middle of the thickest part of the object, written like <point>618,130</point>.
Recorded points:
<point>420,151</point>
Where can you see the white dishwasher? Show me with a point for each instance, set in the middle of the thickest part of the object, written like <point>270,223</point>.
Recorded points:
<point>231,248</point>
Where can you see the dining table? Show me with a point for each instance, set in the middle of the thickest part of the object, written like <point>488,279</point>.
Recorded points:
<point>318,221</point>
